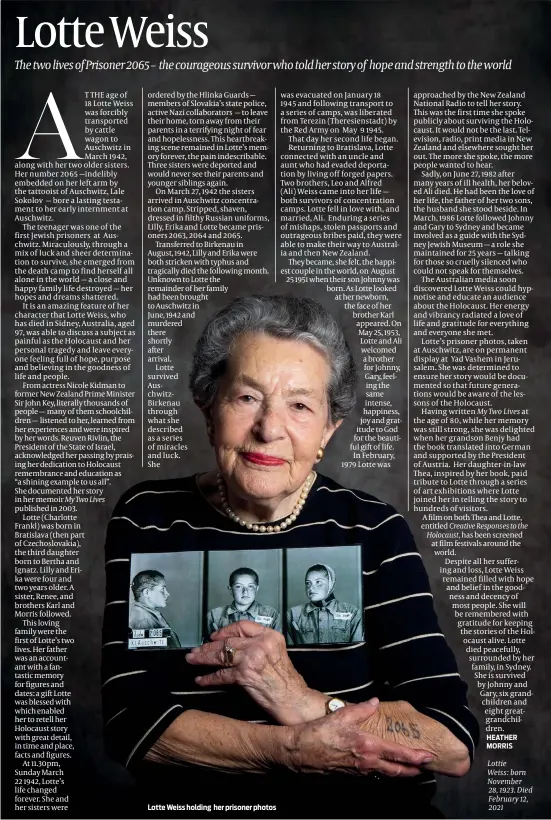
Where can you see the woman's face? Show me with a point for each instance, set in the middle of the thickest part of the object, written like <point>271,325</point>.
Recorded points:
<point>157,596</point>
<point>244,590</point>
<point>317,585</point>
<point>270,416</point>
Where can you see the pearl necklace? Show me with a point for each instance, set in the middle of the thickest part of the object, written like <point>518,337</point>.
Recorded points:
<point>263,527</point>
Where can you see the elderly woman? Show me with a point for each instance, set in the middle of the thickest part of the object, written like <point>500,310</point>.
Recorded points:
<point>274,378</point>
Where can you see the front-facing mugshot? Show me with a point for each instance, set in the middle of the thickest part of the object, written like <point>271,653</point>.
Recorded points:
<point>243,585</point>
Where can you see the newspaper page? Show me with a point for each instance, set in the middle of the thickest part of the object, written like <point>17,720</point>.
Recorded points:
<point>390,161</point>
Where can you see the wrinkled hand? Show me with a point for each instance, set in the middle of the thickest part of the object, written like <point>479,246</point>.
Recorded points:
<point>401,722</point>
<point>261,665</point>
<point>337,743</point>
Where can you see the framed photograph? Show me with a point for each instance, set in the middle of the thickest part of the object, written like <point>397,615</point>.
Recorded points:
<point>323,595</point>
<point>243,585</point>
<point>165,600</point>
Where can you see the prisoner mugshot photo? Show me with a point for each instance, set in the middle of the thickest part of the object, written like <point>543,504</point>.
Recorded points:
<point>313,595</point>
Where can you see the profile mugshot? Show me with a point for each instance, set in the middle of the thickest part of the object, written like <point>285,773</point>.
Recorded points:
<point>323,618</point>
<point>243,585</point>
<point>150,596</point>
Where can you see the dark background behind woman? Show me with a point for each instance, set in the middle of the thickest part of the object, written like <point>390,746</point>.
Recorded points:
<point>274,378</point>
<point>489,31</point>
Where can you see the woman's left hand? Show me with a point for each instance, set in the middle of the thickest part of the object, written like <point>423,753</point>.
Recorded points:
<point>262,666</point>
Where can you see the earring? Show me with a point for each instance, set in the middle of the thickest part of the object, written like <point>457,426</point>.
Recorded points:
<point>320,454</point>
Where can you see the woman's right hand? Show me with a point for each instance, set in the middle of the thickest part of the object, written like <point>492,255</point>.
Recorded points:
<point>337,743</point>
